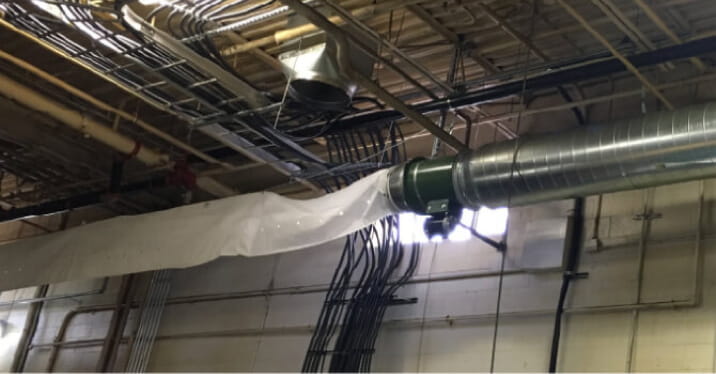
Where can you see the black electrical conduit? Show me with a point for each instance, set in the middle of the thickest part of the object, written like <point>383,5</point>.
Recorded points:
<point>571,260</point>
<point>569,75</point>
<point>570,272</point>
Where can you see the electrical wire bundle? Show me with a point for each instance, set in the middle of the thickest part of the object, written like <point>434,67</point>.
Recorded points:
<point>356,153</point>
<point>373,265</point>
<point>362,288</point>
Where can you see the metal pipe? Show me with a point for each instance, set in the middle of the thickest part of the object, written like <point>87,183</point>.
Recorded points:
<point>652,150</point>
<point>60,337</point>
<point>96,291</point>
<point>78,121</point>
<point>647,214</point>
<point>116,325</point>
<point>393,323</point>
<point>32,320</point>
<point>344,63</point>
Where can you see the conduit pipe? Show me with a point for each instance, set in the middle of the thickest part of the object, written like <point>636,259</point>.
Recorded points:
<point>346,68</point>
<point>78,121</point>
<point>648,151</point>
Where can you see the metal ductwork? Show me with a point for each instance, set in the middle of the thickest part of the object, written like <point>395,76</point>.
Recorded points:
<point>653,150</point>
<point>316,79</point>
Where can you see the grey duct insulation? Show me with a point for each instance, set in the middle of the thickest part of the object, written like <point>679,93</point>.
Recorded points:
<point>654,150</point>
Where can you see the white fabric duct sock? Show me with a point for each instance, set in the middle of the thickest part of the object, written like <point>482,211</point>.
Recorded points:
<point>254,224</point>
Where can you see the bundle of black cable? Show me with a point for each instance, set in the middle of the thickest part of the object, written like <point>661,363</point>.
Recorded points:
<point>368,274</point>
<point>373,264</point>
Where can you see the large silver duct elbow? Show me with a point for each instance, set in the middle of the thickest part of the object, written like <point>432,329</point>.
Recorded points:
<point>653,150</point>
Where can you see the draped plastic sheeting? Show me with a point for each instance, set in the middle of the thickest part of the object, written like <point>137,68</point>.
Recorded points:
<point>248,225</point>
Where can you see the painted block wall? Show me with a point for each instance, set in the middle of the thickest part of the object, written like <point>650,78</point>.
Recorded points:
<point>451,326</point>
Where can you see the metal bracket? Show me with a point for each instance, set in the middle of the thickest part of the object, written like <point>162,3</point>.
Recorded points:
<point>646,216</point>
<point>580,275</point>
<point>402,301</point>
<point>444,217</point>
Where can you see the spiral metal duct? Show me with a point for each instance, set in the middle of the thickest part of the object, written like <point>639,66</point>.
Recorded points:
<point>656,149</point>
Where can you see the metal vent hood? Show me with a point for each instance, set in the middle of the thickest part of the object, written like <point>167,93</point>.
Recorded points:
<point>313,70</point>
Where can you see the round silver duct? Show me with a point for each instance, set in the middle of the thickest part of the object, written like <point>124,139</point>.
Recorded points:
<point>652,150</point>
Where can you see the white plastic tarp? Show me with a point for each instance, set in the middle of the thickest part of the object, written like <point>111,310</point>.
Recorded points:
<point>248,225</point>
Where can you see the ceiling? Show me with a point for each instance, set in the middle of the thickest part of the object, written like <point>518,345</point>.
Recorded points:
<point>427,51</point>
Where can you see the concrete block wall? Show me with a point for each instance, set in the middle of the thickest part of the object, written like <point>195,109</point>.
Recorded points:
<point>264,307</point>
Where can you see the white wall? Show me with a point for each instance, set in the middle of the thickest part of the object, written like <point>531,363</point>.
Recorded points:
<point>451,326</point>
